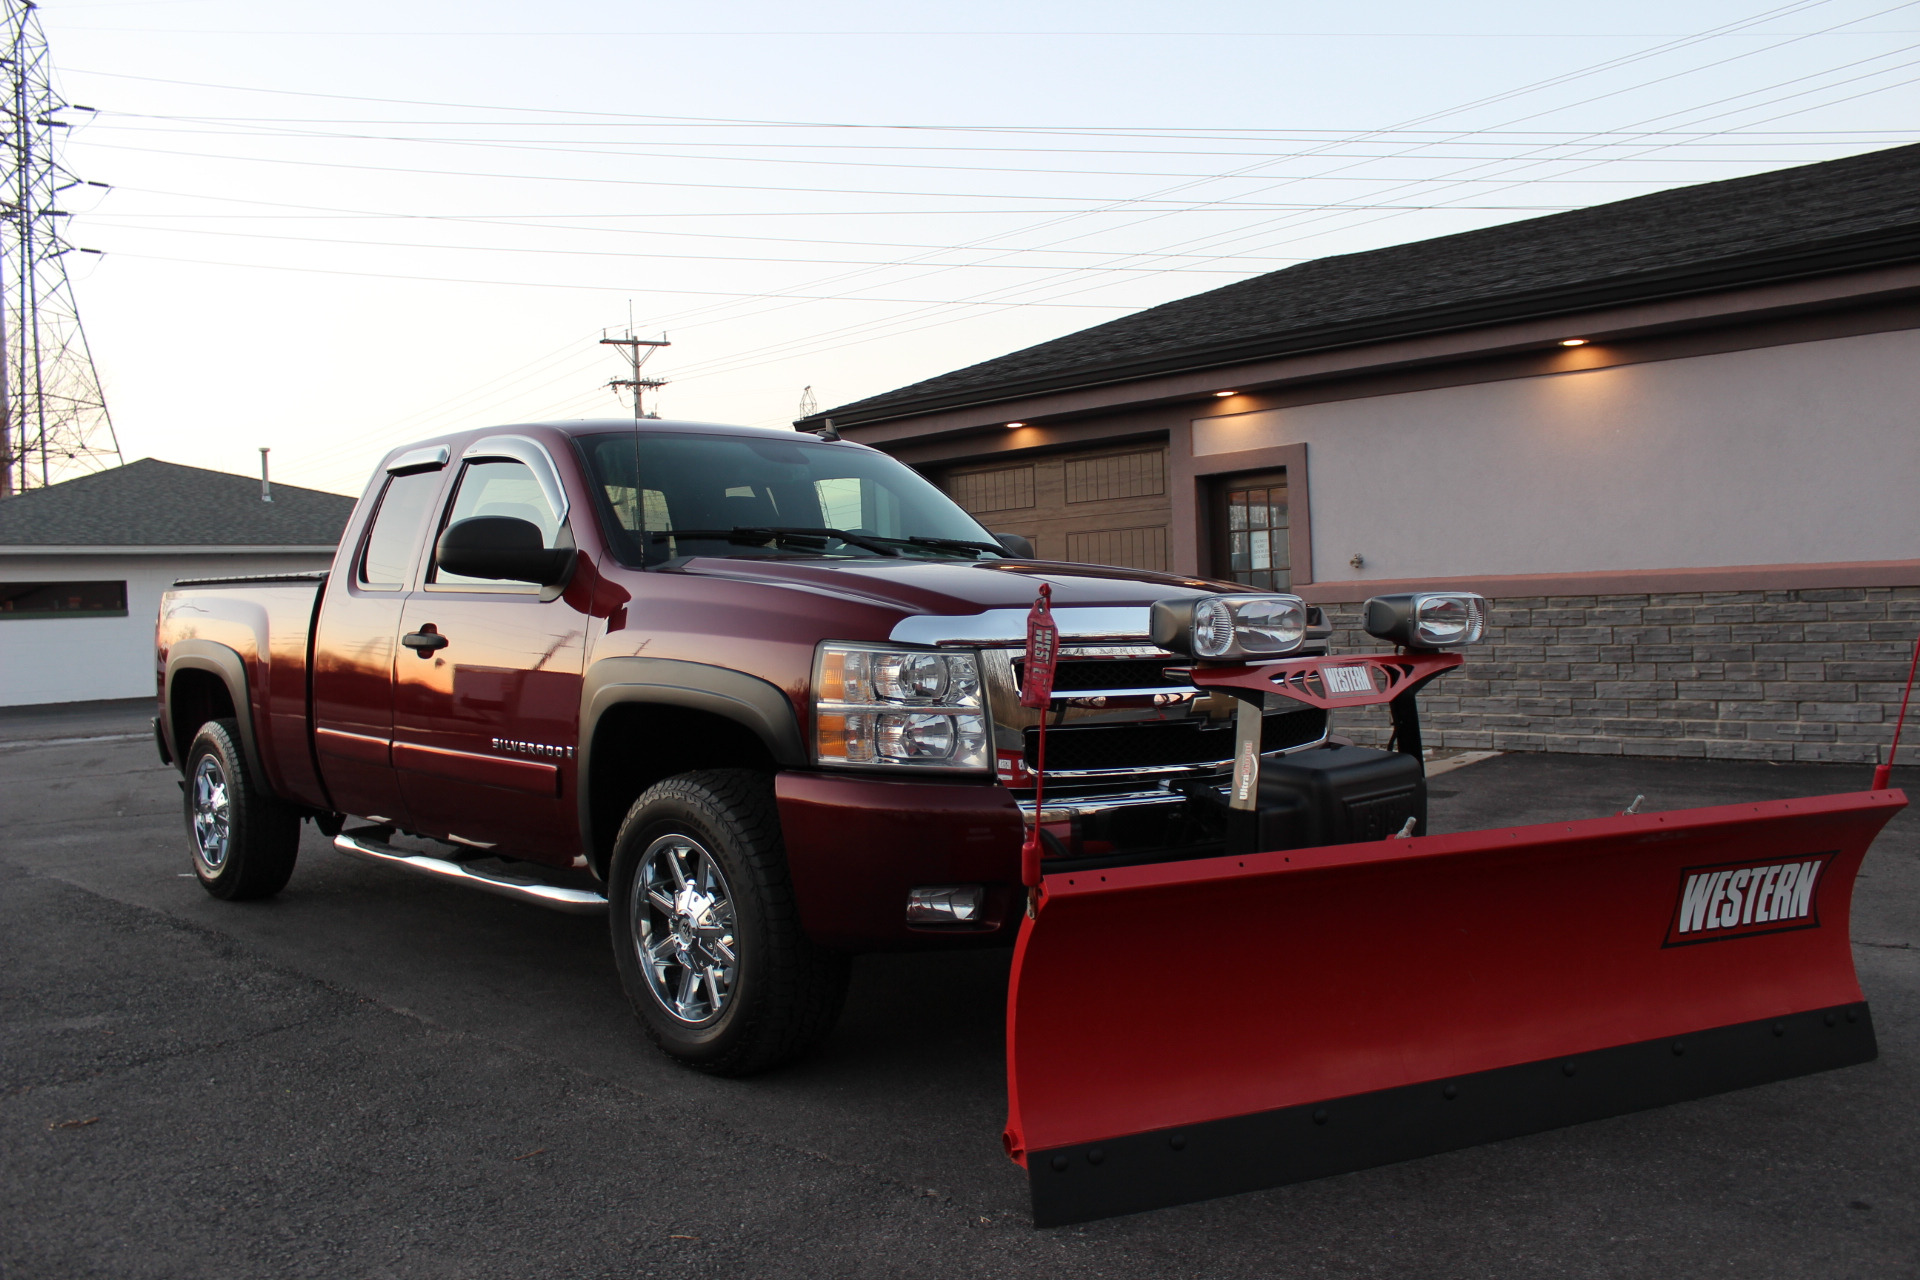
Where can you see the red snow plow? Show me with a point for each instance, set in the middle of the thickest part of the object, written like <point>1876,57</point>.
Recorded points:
<point>1339,989</point>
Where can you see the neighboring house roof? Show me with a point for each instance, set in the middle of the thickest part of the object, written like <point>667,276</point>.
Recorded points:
<point>1862,211</point>
<point>150,503</point>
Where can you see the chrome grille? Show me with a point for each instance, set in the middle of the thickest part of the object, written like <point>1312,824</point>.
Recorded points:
<point>1117,722</point>
<point>1071,675</point>
<point>1134,747</point>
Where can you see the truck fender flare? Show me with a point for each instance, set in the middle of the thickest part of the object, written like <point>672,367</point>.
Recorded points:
<point>226,663</point>
<point>755,704</point>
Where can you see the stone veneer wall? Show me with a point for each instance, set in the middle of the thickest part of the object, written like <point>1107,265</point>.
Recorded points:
<point>1748,675</point>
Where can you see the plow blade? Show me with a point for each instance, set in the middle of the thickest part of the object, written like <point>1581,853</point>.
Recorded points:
<point>1179,1031</point>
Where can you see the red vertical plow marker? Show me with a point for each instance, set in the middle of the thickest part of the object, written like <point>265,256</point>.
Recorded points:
<point>1184,1030</point>
<point>1036,691</point>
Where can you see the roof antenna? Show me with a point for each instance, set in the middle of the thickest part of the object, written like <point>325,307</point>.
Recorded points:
<point>266,490</point>
<point>826,431</point>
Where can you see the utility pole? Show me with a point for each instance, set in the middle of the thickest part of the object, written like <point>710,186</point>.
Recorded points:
<point>53,418</point>
<point>638,350</point>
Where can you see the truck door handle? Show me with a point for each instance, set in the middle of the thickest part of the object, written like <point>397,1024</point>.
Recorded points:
<point>424,641</point>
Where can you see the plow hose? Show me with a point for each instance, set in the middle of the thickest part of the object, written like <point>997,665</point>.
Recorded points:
<point>1180,1031</point>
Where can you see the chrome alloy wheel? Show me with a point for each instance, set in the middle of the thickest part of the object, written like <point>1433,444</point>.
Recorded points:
<point>683,929</point>
<point>212,816</point>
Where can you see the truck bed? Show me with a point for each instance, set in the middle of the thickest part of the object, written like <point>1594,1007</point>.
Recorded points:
<point>267,620</point>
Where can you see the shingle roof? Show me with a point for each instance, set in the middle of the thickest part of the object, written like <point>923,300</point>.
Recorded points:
<point>1812,219</point>
<point>150,503</point>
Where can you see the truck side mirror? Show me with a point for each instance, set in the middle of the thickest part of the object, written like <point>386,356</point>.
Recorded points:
<point>502,547</point>
<point>1016,545</point>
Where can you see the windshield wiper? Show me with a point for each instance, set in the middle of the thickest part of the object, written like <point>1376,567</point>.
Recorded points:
<point>759,535</point>
<point>923,540</point>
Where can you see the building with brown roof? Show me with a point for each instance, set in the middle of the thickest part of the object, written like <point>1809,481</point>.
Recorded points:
<point>83,564</point>
<point>1676,438</point>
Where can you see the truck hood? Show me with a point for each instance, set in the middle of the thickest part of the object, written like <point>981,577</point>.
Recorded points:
<point>959,588</point>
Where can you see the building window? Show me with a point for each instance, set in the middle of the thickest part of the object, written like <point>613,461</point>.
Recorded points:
<point>1250,531</point>
<point>63,599</point>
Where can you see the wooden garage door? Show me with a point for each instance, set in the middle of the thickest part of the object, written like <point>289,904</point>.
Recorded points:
<point>1106,506</point>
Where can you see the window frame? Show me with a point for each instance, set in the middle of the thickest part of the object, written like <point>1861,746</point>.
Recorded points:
<point>534,456</point>
<point>1220,544</point>
<point>396,473</point>
<point>1195,479</point>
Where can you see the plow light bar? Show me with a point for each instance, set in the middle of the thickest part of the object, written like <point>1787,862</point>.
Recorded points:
<point>1245,628</point>
<point>1428,619</point>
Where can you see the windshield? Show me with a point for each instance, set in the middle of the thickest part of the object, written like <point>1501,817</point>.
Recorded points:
<point>672,496</point>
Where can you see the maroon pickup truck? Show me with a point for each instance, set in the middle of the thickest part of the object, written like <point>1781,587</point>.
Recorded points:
<point>753,693</point>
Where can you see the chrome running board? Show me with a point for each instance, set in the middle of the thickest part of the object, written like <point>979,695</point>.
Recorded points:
<point>579,902</point>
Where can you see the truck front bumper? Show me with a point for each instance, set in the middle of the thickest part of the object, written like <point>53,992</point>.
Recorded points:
<point>856,846</point>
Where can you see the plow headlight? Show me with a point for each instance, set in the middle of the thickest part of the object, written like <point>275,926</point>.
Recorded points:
<point>1233,628</point>
<point>1428,619</point>
<point>876,707</point>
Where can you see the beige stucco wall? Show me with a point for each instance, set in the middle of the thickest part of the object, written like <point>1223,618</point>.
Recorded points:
<point>1799,454</point>
<point>80,659</point>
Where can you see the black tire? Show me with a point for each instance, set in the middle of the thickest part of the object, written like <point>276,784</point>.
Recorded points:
<point>780,994</point>
<point>244,841</point>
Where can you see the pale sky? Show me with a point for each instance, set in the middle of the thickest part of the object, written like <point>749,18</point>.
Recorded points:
<point>338,228</point>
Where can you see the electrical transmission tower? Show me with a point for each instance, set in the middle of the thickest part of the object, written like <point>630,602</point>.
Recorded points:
<point>53,418</point>
<point>637,353</point>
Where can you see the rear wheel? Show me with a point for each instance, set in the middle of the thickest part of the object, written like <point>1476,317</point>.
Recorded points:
<point>705,931</point>
<point>244,841</point>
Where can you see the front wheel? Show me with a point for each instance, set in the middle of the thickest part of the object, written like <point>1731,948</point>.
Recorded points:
<point>705,931</point>
<point>244,840</point>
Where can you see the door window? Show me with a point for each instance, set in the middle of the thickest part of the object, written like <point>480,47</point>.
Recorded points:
<point>1250,531</point>
<point>500,487</point>
<point>397,528</point>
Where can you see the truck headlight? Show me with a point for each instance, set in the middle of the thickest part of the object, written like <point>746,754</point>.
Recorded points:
<point>1244,628</point>
<point>1428,619</point>
<point>876,707</point>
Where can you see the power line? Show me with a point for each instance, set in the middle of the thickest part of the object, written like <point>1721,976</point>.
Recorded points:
<point>601,288</point>
<point>1494,137</point>
<point>813,341</point>
<point>594,148</point>
<point>910,34</point>
<point>758,188</point>
<point>1552,81</point>
<point>1455,139</point>
<point>330,212</point>
<point>1146,131</point>
<point>606,253</point>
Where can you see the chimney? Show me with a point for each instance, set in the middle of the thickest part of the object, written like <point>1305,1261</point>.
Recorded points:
<point>266,490</point>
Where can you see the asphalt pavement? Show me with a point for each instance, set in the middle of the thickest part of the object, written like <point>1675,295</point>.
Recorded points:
<point>377,1075</point>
